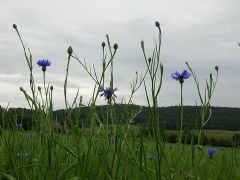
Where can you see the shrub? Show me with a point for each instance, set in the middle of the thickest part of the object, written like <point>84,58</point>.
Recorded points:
<point>172,138</point>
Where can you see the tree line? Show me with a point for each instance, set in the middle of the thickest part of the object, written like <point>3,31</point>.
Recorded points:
<point>222,118</point>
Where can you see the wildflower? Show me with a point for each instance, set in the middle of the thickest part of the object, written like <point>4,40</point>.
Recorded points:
<point>44,63</point>
<point>222,148</point>
<point>211,152</point>
<point>18,154</point>
<point>151,157</point>
<point>30,135</point>
<point>108,92</point>
<point>25,155</point>
<point>99,151</point>
<point>19,125</point>
<point>180,77</point>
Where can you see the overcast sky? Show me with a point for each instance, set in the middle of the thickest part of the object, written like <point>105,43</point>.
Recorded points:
<point>203,33</point>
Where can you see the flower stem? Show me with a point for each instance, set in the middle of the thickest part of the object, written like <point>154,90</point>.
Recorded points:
<point>180,137</point>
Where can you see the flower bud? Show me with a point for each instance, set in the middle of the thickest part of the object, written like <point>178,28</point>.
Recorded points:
<point>70,50</point>
<point>199,147</point>
<point>157,24</point>
<point>216,67</point>
<point>14,26</point>
<point>39,88</point>
<point>181,80</point>
<point>51,87</point>
<point>103,44</point>
<point>44,68</point>
<point>149,59</point>
<point>21,89</point>
<point>115,46</point>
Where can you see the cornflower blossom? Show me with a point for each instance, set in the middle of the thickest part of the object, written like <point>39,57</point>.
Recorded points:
<point>151,157</point>
<point>18,154</point>
<point>30,135</point>
<point>108,93</point>
<point>180,77</point>
<point>99,151</point>
<point>211,152</point>
<point>19,125</point>
<point>44,63</point>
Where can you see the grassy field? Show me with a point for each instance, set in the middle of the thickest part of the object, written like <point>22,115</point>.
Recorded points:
<point>218,134</point>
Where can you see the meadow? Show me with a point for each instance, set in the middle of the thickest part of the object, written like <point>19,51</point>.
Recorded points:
<point>110,147</point>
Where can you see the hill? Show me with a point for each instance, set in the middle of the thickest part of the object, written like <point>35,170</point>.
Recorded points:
<point>223,118</point>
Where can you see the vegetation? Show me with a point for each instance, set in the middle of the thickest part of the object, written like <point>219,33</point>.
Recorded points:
<point>116,141</point>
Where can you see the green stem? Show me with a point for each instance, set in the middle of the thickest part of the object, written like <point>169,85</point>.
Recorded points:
<point>180,138</point>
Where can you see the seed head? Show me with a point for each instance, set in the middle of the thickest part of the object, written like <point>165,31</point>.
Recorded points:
<point>70,50</point>
<point>14,26</point>
<point>157,24</point>
<point>115,46</point>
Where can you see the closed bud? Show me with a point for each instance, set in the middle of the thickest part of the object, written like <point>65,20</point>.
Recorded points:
<point>149,59</point>
<point>51,87</point>
<point>70,50</point>
<point>115,46</point>
<point>157,24</point>
<point>216,67</point>
<point>181,80</point>
<point>21,89</point>
<point>14,26</point>
<point>39,88</point>
<point>103,44</point>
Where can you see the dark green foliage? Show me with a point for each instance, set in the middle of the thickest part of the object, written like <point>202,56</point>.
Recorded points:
<point>223,118</point>
<point>172,138</point>
<point>213,141</point>
<point>225,143</point>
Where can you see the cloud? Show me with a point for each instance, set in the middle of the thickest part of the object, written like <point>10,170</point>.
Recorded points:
<point>202,33</point>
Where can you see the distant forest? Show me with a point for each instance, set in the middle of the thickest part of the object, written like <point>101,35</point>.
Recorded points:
<point>223,118</point>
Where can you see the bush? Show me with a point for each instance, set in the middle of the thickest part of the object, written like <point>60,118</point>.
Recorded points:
<point>225,143</point>
<point>172,138</point>
<point>213,142</point>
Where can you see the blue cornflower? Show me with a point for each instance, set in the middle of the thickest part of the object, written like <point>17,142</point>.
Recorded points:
<point>211,152</point>
<point>151,157</point>
<point>19,125</point>
<point>30,135</point>
<point>44,63</point>
<point>99,151</point>
<point>18,154</point>
<point>180,77</point>
<point>108,92</point>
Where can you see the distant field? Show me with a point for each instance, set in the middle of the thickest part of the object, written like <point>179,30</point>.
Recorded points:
<point>218,134</point>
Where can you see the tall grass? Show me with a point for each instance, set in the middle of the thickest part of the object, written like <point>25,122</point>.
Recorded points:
<point>109,150</point>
